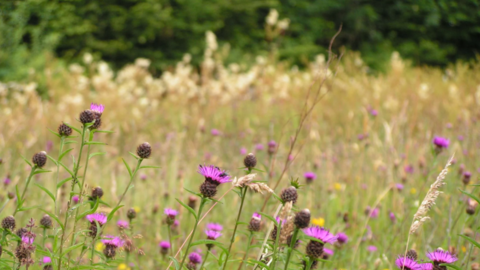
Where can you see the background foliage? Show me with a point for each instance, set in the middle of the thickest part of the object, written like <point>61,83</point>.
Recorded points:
<point>428,32</point>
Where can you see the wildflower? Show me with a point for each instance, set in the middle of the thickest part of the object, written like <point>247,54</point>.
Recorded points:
<point>39,159</point>
<point>440,256</point>
<point>8,223</point>
<point>255,222</point>
<point>427,266</point>
<point>144,150</point>
<point>408,169</point>
<point>46,222</point>
<point>372,248</point>
<point>64,130</point>
<point>373,213</point>
<point>99,218</point>
<point>413,190</point>
<point>272,147</point>
<point>122,224</point>
<point>318,222</point>
<point>392,217</point>
<point>48,263</point>
<point>164,247</point>
<point>327,253</point>
<point>7,180</point>
<point>466,177</point>
<point>259,147</point>
<point>315,249</point>
<point>302,219</point>
<point>213,177</point>
<point>111,244</point>
<point>440,143</point>
<point>131,214</point>
<point>87,116</point>
<point>406,263</point>
<point>399,186</point>
<point>28,239</point>
<point>171,214</point>
<point>97,108</point>
<point>412,254</point>
<point>20,232</point>
<point>97,193</point>
<point>215,132</point>
<point>309,177</point>
<point>289,194</point>
<point>192,201</point>
<point>214,227</point>
<point>143,177</point>
<point>250,161</point>
<point>342,238</point>
<point>194,259</point>
<point>212,235</point>
<point>373,112</point>
<point>243,151</point>
<point>75,199</point>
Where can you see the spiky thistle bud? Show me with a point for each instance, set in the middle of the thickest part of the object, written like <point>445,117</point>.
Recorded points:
<point>131,213</point>
<point>20,232</point>
<point>64,130</point>
<point>97,123</point>
<point>11,195</point>
<point>289,195</point>
<point>250,161</point>
<point>144,150</point>
<point>302,219</point>
<point>8,223</point>
<point>192,201</point>
<point>255,222</point>
<point>97,193</point>
<point>39,159</point>
<point>412,254</point>
<point>46,222</point>
<point>87,116</point>
<point>208,189</point>
<point>314,249</point>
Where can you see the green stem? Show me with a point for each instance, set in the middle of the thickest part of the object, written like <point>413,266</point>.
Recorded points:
<point>243,192</point>
<point>205,259</point>
<point>131,180</point>
<point>74,181</point>
<point>93,250</point>
<point>170,239</point>
<point>202,203</point>
<point>62,141</point>
<point>44,237</point>
<point>20,200</point>
<point>310,262</point>
<point>275,247</point>
<point>248,248</point>
<point>292,244</point>
<point>5,204</point>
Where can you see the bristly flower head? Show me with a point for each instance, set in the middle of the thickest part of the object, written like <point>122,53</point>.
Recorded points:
<point>46,260</point>
<point>426,266</point>
<point>294,183</point>
<point>441,142</point>
<point>310,176</point>
<point>97,108</point>
<point>164,244</point>
<point>212,235</point>
<point>405,263</point>
<point>214,174</point>
<point>171,213</point>
<point>98,217</point>
<point>257,216</point>
<point>214,227</point>
<point>113,241</point>
<point>28,239</point>
<point>122,224</point>
<point>441,256</point>
<point>195,258</point>
<point>342,238</point>
<point>321,234</point>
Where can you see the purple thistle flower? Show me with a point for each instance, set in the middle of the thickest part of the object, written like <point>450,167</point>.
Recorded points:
<point>426,266</point>
<point>164,244</point>
<point>7,180</point>
<point>28,239</point>
<point>408,169</point>
<point>176,223</point>
<point>195,258</point>
<point>214,174</point>
<point>392,217</point>
<point>310,176</point>
<point>212,235</point>
<point>441,142</point>
<point>98,217</point>
<point>342,238</point>
<point>372,248</point>
<point>460,138</point>
<point>406,263</point>
<point>98,108</point>
<point>243,151</point>
<point>113,241</point>
<point>399,186</point>
<point>259,147</point>
<point>321,234</point>
<point>122,224</point>
<point>440,256</point>
<point>373,112</point>
<point>143,177</point>
<point>374,213</point>
<point>214,227</point>
<point>75,199</point>
<point>215,132</point>
<point>46,260</point>
<point>171,213</point>
<point>328,251</point>
<point>257,216</point>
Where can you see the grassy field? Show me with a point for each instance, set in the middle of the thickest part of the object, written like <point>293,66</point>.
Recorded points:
<point>368,141</point>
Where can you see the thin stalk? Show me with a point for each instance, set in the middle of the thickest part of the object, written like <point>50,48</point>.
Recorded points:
<point>62,142</point>
<point>93,250</point>
<point>275,247</point>
<point>170,239</point>
<point>202,203</point>
<point>44,237</point>
<point>250,238</point>
<point>205,259</point>
<point>292,244</point>
<point>74,181</point>
<point>243,192</point>
<point>131,180</point>
<point>5,204</point>
<point>310,262</point>
<point>25,188</point>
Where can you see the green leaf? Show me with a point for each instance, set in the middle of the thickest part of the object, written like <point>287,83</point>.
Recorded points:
<point>194,193</point>
<point>53,160</point>
<point>68,170</point>
<point>95,143</point>
<point>188,208</point>
<point>88,212</point>
<point>74,128</point>
<point>39,171</point>
<point>262,264</point>
<point>64,153</point>
<point>128,167</point>
<point>471,196</point>
<point>69,142</point>
<point>54,133</point>
<point>63,182</point>
<point>475,243</point>
<point>451,266</point>
<point>102,131</point>
<point>150,167</point>
<point>19,199</point>
<point>133,155</point>
<point>28,162</point>
<point>110,216</point>
<point>26,208</point>
<point>46,191</point>
<point>96,154</point>
<point>67,250</point>
<point>54,217</point>
<point>175,262</point>
<point>269,217</point>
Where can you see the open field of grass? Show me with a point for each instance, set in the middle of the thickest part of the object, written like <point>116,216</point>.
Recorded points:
<point>368,141</point>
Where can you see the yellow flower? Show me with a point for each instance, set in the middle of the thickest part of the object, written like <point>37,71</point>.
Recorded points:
<point>137,209</point>
<point>337,186</point>
<point>123,266</point>
<point>318,221</point>
<point>99,246</point>
<point>413,190</point>
<point>464,249</point>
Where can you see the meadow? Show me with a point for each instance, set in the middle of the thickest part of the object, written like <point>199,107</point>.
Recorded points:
<point>358,149</point>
